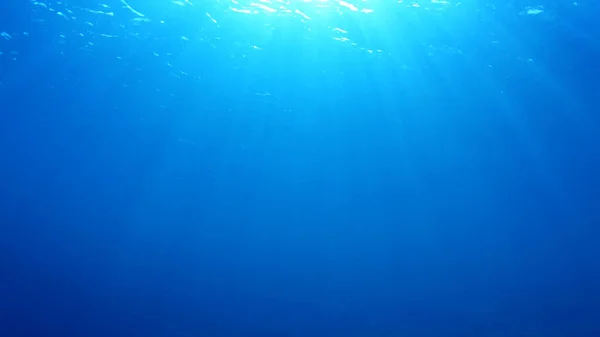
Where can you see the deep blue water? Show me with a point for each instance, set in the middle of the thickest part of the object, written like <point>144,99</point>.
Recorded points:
<point>370,168</point>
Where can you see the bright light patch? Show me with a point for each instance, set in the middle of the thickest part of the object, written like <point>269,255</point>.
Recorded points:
<point>307,9</point>
<point>349,6</point>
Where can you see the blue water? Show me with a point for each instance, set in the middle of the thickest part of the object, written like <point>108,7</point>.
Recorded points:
<point>300,168</point>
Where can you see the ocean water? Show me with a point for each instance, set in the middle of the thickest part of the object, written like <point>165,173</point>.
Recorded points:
<point>300,168</point>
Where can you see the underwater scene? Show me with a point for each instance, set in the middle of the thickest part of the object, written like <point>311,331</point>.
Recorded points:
<point>292,168</point>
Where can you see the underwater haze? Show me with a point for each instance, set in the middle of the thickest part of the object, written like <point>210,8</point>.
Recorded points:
<point>291,168</point>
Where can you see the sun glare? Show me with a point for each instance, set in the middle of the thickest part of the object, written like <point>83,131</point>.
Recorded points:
<point>303,8</point>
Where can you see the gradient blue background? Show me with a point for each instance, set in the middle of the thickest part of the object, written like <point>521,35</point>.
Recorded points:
<point>420,171</point>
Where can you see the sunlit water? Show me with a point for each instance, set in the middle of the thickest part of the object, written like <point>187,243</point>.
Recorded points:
<point>377,28</point>
<point>299,168</point>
